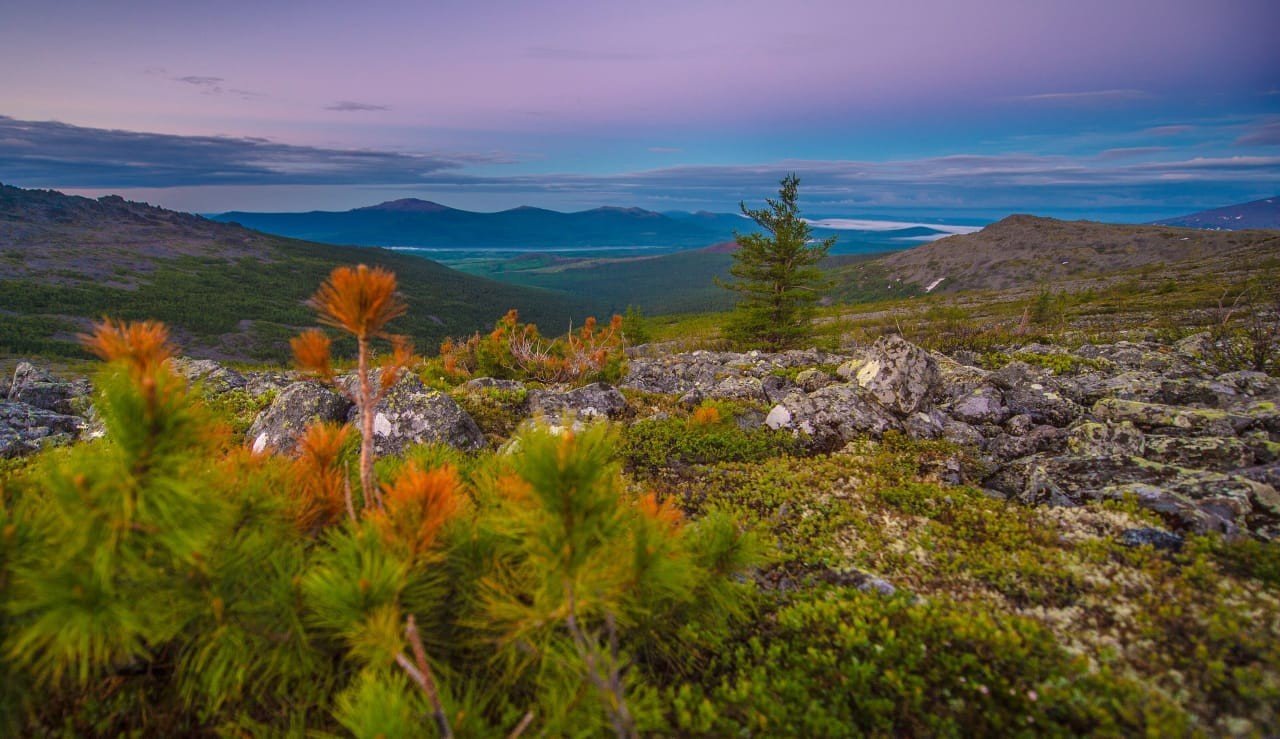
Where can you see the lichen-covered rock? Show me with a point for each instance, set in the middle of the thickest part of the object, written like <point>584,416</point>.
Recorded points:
<point>212,377</point>
<point>956,379</point>
<point>1165,418</point>
<point>985,404</point>
<point>813,379</point>
<point>258,384</point>
<point>597,401</point>
<point>1148,536</point>
<point>25,429</point>
<point>900,375</point>
<point>739,388</point>
<point>1042,438</point>
<point>1200,452</point>
<point>39,388</point>
<point>412,413</point>
<point>298,405</point>
<point>1091,439</point>
<point>833,416</point>
<point>1043,404</point>
<point>1177,510</point>
<point>1131,385</point>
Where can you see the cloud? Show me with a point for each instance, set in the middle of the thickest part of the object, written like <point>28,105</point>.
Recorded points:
<point>53,154</point>
<point>348,106</point>
<point>665,150</point>
<point>1130,152</point>
<point>1168,130</point>
<point>1091,97</point>
<point>1266,134</point>
<point>197,80</point>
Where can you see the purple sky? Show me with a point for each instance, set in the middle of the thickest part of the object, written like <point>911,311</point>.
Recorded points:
<point>1116,109</point>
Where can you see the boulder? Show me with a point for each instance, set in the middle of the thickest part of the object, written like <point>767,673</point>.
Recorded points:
<point>39,388</point>
<point>298,406</point>
<point>900,375</point>
<point>812,379</point>
<point>1148,536</point>
<point>1200,452</point>
<point>1169,418</point>
<point>985,404</point>
<point>412,413</point>
<point>210,376</point>
<point>833,416</point>
<point>25,429</point>
<point>1093,439</point>
<point>599,400</point>
<point>739,388</point>
<point>1039,439</point>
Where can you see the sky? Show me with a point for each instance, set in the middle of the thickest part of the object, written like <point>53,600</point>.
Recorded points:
<point>1116,110</point>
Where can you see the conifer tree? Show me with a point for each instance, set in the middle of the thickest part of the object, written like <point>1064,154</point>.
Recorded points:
<point>777,274</point>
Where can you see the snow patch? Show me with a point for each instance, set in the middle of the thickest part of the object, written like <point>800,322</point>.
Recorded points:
<point>934,284</point>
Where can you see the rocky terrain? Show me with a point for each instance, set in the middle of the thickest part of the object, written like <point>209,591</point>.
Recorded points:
<point>1156,424</point>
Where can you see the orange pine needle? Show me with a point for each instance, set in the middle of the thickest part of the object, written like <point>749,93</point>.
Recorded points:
<point>664,513</point>
<point>311,352</point>
<point>417,506</point>
<point>143,345</point>
<point>359,300</point>
<point>318,483</point>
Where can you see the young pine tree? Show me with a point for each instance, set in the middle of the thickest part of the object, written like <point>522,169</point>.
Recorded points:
<point>777,274</point>
<point>360,301</point>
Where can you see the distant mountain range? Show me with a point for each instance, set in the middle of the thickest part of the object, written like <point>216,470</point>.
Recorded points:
<point>1258,214</point>
<point>427,225</point>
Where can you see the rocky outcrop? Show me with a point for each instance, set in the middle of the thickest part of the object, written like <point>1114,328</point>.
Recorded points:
<point>25,429</point>
<point>900,375</point>
<point>209,375</point>
<point>298,405</point>
<point>411,413</point>
<point>597,401</point>
<point>39,388</point>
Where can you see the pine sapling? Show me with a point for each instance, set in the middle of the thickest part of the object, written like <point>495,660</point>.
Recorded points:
<point>361,301</point>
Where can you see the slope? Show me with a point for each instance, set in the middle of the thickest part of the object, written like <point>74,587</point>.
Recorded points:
<point>227,291</point>
<point>1257,214</point>
<point>1026,250</point>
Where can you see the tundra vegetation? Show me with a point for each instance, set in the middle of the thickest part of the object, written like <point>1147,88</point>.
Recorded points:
<point>684,571</point>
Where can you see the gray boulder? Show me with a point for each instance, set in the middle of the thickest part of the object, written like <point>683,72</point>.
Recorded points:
<point>900,375</point>
<point>1151,537</point>
<point>599,400</point>
<point>39,388</point>
<point>298,406</point>
<point>985,404</point>
<point>833,416</point>
<point>1093,439</point>
<point>412,413</point>
<point>212,377</point>
<point>25,429</point>
<point>1200,452</point>
<point>1169,419</point>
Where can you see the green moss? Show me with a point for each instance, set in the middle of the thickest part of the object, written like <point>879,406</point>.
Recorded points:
<point>844,663</point>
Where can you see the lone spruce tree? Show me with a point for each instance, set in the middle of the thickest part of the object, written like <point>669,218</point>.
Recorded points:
<point>777,274</point>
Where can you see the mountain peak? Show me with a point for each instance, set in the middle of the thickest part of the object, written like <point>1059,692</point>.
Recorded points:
<point>408,205</point>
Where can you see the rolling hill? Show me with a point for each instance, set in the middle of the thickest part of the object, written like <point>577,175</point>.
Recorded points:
<point>1257,214</point>
<point>227,291</point>
<point>1027,250</point>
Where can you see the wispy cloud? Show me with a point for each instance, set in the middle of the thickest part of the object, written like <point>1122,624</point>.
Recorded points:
<point>199,81</point>
<point>1163,131</point>
<point>53,154</point>
<point>213,86</point>
<point>351,106</point>
<point>1090,97</point>
<point>1130,152</point>
<point>1264,134</point>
